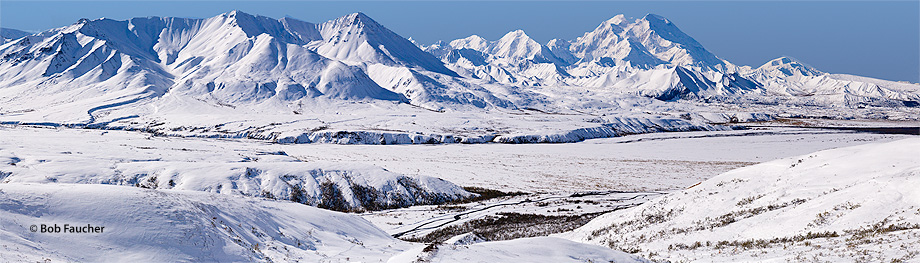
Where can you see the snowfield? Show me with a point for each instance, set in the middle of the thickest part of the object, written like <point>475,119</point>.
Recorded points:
<point>856,203</point>
<point>644,162</point>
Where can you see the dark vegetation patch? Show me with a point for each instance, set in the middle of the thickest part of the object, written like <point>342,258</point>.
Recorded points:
<point>754,243</point>
<point>726,219</point>
<point>369,199</point>
<point>505,226</point>
<point>647,219</point>
<point>855,237</point>
<point>485,194</point>
<point>863,234</point>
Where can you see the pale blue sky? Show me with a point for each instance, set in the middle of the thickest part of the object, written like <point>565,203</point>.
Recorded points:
<point>871,38</point>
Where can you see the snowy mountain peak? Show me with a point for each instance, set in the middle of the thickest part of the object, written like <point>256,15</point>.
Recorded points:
<point>598,42</point>
<point>474,42</point>
<point>558,42</point>
<point>358,38</point>
<point>784,61</point>
<point>617,20</point>
<point>516,39</point>
<point>788,66</point>
<point>516,45</point>
<point>664,29</point>
<point>613,39</point>
<point>255,25</point>
<point>237,15</point>
<point>667,42</point>
<point>656,18</point>
<point>234,13</point>
<point>518,33</point>
<point>358,19</point>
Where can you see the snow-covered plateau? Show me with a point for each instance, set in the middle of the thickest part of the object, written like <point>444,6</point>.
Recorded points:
<point>232,138</point>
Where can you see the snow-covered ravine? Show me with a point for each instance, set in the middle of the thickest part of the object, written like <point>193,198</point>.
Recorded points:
<point>856,203</point>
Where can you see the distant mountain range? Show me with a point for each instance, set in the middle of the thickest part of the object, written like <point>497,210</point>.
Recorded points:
<point>237,60</point>
<point>8,34</point>
<point>651,57</point>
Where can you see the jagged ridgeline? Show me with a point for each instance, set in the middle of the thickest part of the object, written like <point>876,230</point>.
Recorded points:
<point>251,64</point>
<point>230,59</point>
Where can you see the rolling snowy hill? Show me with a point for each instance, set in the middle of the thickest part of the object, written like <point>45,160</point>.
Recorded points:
<point>848,204</point>
<point>132,159</point>
<point>170,226</point>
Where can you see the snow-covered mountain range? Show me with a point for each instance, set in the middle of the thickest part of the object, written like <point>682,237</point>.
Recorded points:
<point>7,34</point>
<point>651,57</point>
<point>176,74</point>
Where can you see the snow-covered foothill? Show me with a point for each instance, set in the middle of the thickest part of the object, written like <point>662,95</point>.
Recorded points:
<point>335,186</point>
<point>177,226</point>
<point>848,204</point>
<point>127,158</point>
<point>785,76</point>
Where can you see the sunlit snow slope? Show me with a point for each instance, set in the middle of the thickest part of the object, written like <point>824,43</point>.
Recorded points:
<point>171,226</point>
<point>854,203</point>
